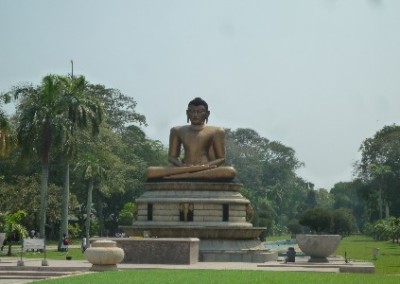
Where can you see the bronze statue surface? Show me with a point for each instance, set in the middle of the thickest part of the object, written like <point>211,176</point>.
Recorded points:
<point>203,149</point>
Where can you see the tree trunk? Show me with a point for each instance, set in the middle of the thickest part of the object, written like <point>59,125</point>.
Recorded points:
<point>88,211</point>
<point>9,252</point>
<point>43,199</point>
<point>386,209</point>
<point>65,203</point>
<point>380,203</point>
<point>100,212</point>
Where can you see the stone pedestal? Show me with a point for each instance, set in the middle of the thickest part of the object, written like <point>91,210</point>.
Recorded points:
<point>160,250</point>
<point>211,211</point>
<point>104,255</point>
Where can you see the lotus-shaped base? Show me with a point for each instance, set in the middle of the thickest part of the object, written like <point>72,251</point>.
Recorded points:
<point>318,247</point>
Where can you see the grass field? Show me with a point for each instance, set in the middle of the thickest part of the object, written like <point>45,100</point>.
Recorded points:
<point>360,248</point>
<point>223,276</point>
<point>74,253</point>
<point>357,248</point>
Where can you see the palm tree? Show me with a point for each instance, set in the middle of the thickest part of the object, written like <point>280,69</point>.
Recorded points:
<point>13,228</point>
<point>93,171</point>
<point>40,116</point>
<point>82,111</point>
<point>48,115</point>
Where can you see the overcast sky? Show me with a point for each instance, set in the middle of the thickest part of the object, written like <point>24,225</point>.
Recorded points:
<point>320,76</point>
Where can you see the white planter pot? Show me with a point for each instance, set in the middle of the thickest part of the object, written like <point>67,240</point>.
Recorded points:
<point>104,255</point>
<point>318,247</point>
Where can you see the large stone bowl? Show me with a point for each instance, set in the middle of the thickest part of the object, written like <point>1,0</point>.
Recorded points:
<point>104,255</point>
<point>318,247</point>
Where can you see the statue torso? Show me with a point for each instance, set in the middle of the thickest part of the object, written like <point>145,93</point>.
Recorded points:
<point>198,143</point>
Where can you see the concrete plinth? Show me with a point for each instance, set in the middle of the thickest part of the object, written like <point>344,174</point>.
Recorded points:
<point>214,212</point>
<point>159,250</point>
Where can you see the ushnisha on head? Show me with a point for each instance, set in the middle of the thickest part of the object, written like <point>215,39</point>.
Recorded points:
<point>197,111</point>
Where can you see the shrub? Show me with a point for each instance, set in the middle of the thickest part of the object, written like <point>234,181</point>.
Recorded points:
<point>343,221</point>
<point>319,220</point>
<point>126,214</point>
<point>294,228</point>
<point>385,229</point>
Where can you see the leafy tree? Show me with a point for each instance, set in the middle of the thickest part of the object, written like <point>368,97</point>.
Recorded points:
<point>121,143</point>
<point>310,202</point>
<point>379,170</point>
<point>245,151</point>
<point>349,195</point>
<point>119,108</point>
<point>267,170</point>
<point>47,116</point>
<point>343,195</point>
<point>393,224</point>
<point>343,221</point>
<point>126,214</point>
<point>324,199</point>
<point>294,227</point>
<point>385,229</point>
<point>319,220</point>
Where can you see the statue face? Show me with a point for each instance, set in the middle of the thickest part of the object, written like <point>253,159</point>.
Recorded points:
<point>197,114</point>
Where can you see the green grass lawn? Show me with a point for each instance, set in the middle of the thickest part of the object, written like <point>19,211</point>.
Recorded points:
<point>360,248</point>
<point>223,276</point>
<point>75,253</point>
<point>51,252</point>
<point>357,248</point>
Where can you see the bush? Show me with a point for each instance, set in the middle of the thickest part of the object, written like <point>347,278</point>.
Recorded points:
<point>385,229</point>
<point>343,221</point>
<point>126,214</point>
<point>74,231</point>
<point>319,220</point>
<point>295,228</point>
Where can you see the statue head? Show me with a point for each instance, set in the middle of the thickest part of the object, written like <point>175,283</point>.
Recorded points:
<point>197,111</point>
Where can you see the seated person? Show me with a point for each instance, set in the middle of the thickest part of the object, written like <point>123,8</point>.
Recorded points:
<point>204,149</point>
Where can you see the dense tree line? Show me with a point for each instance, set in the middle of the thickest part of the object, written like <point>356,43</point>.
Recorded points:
<point>267,170</point>
<point>67,129</point>
<point>75,154</point>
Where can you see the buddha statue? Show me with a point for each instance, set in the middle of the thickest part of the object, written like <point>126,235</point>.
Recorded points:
<point>203,149</point>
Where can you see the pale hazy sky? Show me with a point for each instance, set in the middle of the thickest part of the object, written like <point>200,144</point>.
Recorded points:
<point>318,75</point>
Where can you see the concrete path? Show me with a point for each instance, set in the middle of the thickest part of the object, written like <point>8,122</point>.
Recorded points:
<point>33,269</point>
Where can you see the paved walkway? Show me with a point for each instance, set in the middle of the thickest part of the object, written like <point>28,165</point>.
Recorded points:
<point>33,268</point>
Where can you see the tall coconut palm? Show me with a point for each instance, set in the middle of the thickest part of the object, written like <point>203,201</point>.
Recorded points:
<point>93,170</point>
<point>48,116</point>
<point>83,111</point>
<point>40,115</point>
